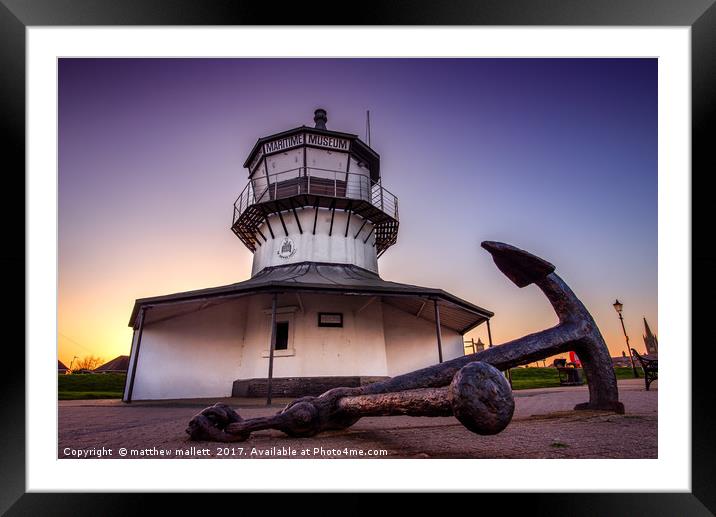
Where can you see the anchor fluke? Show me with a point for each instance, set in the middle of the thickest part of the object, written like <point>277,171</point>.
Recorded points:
<point>518,265</point>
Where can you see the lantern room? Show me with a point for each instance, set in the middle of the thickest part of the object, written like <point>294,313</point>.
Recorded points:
<point>317,182</point>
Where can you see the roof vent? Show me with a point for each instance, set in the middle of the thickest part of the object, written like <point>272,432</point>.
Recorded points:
<point>320,118</point>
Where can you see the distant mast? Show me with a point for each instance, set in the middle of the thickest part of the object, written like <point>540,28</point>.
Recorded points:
<point>367,127</point>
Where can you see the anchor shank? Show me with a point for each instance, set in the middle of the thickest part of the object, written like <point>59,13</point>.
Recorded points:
<point>563,300</point>
<point>524,350</point>
<point>418,402</point>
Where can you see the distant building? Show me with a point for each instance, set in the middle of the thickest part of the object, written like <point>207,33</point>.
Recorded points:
<point>61,368</point>
<point>650,341</point>
<point>119,364</point>
<point>622,362</point>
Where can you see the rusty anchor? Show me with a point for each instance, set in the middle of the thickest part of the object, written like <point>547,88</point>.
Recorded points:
<point>471,387</point>
<point>479,396</point>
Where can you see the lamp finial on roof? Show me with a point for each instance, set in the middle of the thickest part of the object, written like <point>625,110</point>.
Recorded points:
<point>320,118</point>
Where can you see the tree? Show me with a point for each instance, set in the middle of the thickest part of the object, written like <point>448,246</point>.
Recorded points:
<point>88,362</point>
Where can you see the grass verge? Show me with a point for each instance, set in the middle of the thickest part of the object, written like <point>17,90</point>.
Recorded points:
<point>90,386</point>
<point>111,385</point>
<point>527,378</point>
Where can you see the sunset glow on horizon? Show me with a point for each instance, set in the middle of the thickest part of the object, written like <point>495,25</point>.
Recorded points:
<point>555,156</point>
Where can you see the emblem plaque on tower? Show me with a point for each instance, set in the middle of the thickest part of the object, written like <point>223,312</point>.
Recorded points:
<point>287,248</point>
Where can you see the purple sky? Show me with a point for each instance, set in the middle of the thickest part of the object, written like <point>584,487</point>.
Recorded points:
<point>557,156</point>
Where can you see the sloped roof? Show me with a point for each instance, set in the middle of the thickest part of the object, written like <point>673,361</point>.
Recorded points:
<point>118,364</point>
<point>456,313</point>
<point>61,365</point>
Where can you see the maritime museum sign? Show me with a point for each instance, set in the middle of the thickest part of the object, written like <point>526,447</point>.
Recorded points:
<point>329,142</point>
<point>289,142</point>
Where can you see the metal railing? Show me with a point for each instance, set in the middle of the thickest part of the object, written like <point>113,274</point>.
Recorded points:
<point>315,181</point>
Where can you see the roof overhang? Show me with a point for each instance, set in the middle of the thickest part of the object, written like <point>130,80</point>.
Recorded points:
<point>455,313</point>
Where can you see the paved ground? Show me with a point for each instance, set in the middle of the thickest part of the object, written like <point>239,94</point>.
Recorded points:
<point>544,426</point>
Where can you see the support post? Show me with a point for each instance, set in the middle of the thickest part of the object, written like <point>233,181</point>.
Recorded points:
<point>333,213</point>
<point>360,229</point>
<point>348,223</point>
<point>142,312</point>
<point>437,330</point>
<point>280,207</point>
<point>420,310</point>
<point>366,304</point>
<point>272,346</point>
<point>295,216</point>
<point>315,217</point>
<point>268,225</point>
<point>489,333</point>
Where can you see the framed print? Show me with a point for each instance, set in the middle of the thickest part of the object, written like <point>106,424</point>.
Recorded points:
<point>382,189</point>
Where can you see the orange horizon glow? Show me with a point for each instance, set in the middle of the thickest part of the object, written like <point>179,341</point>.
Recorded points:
<point>87,328</point>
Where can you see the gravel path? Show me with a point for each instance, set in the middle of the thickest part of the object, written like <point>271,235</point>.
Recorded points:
<point>544,426</point>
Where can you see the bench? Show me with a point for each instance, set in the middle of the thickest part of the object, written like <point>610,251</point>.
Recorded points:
<point>650,367</point>
<point>569,376</point>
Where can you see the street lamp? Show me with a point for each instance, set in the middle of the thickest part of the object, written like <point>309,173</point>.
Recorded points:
<point>618,306</point>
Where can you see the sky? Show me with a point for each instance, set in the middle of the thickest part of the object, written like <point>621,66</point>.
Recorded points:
<point>555,156</point>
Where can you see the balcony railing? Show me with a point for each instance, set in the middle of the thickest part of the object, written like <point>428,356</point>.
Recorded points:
<point>316,182</point>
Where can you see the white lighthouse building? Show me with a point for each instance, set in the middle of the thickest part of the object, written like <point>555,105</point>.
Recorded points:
<point>315,313</point>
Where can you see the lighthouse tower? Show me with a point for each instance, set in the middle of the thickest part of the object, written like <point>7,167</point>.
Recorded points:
<point>315,195</point>
<point>315,313</point>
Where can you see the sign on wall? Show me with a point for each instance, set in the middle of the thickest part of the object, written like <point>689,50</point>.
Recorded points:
<point>328,142</point>
<point>330,319</point>
<point>289,142</point>
<point>282,144</point>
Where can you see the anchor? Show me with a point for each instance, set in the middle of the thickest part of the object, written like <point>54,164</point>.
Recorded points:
<point>471,388</point>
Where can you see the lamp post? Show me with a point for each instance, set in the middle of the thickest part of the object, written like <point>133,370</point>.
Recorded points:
<point>618,306</point>
<point>69,370</point>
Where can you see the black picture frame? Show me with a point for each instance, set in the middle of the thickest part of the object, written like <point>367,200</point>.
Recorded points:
<point>17,15</point>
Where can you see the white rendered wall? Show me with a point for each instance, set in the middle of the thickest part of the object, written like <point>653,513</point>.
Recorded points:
<point>325,159</point>
<point>337,248</point>
<point>200,354</point>
<point>356,349</point>
<point>285,161</point>
<point>411,343</point>
<point>190,356</point>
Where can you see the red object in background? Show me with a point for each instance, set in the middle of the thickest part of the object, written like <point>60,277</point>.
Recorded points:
<point>574,359</point>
